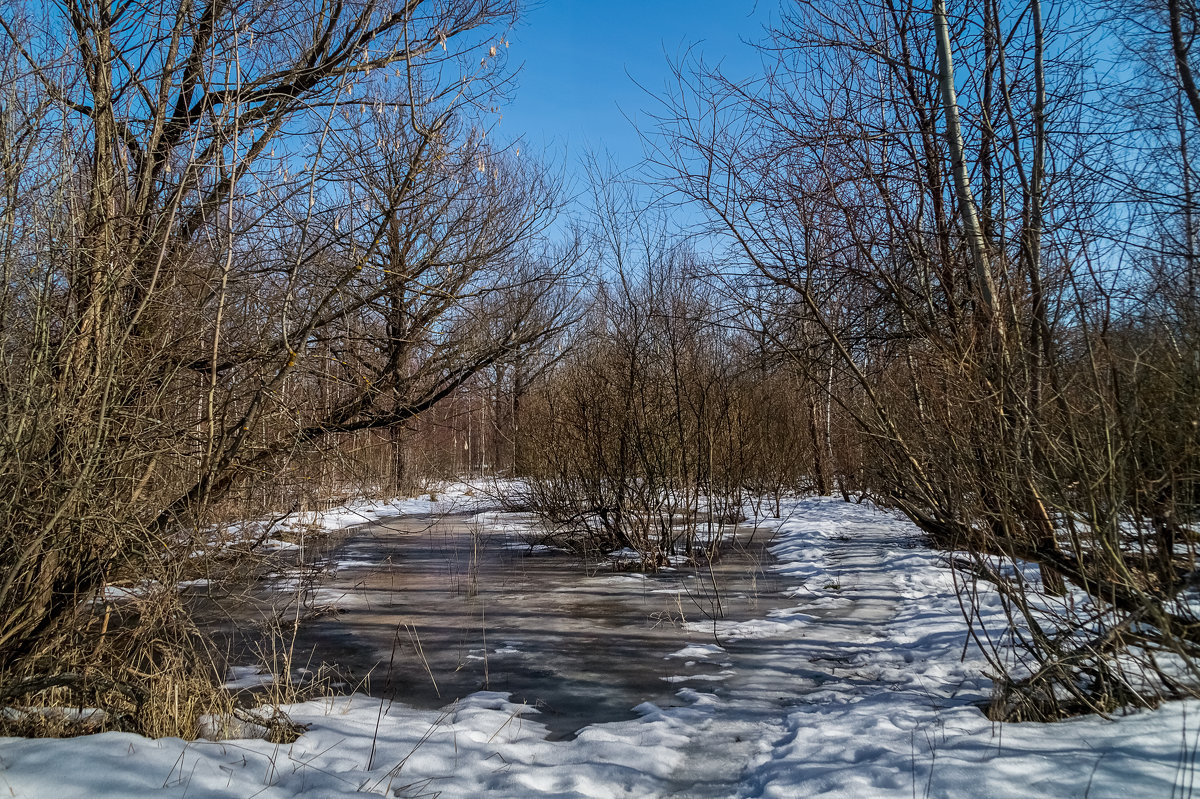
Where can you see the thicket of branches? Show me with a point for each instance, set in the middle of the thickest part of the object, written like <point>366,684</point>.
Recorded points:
<point>652,433</point>
<point>998,251</point>
<point>232,236</point>
<point>671,409</point>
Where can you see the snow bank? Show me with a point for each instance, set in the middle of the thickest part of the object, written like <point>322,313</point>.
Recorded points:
<point>356,745</point>
<point>899,715</point>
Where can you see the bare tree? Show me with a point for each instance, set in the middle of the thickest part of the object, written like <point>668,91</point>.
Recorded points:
<point>232,232</point>
<point>888,179</point>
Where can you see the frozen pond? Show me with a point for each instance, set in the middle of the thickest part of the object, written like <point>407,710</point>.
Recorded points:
<point>430,609</point>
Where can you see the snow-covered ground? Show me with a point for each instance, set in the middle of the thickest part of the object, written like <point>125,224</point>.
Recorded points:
<point>453,497</point>
<point>859,690</point>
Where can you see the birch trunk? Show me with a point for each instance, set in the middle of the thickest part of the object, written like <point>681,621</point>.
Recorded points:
<point>962,179</point>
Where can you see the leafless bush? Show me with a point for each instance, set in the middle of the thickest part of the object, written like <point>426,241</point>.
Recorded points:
<point>661,421</point>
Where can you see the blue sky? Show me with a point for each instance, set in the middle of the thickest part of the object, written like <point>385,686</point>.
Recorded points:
<point>576,89</point>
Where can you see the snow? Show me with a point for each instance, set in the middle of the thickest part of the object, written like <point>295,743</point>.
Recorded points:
<point>242,677</point>
<point>867,687</point>
<point>697,651</point>
<point>440,500</point>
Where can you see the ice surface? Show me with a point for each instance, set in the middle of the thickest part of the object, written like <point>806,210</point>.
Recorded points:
<point>459,609</point>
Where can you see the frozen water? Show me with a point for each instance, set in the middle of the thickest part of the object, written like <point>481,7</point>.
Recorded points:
<point>432,609</point>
